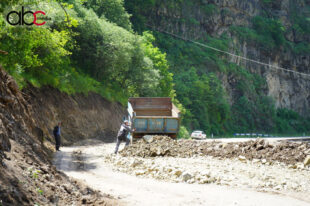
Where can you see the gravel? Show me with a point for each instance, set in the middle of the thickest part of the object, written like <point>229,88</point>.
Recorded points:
<point>254,164</point>
<point>237,172</point>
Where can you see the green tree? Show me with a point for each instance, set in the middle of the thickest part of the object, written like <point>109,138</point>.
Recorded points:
<point>160,63</point>
<point>112,10</point>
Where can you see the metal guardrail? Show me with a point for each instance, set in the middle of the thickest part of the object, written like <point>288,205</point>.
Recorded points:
<point>252,135</point>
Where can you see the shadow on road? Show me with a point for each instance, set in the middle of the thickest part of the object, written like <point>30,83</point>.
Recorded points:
<point>72,161</point>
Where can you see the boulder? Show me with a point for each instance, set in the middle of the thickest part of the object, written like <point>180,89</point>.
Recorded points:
<point>67,188</point>
<point>135,163</point>
<point>148,138</point>
<point>307,160</point>
<point>302,147</point>
<point>278,187</point>
<point>266,144</point>
<point>242,158</point>
<point>140,172</point>
<point>292,166</point>
<point>13,85</point>
<point>236,147</point>
<point>204,180</point>
<point>206,173</point>
<point>6,99</point>
<point>300,166</point>
<point>178,173</point>
<point>186,177</point>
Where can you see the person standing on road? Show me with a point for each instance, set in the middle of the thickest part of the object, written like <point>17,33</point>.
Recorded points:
<point>122,135</point>
<point>56,133</point>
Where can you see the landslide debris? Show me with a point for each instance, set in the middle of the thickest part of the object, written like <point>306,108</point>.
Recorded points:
<point>284,151</point>
<point>27,176</point>
<point>155,146</point>
<point>274,177</point>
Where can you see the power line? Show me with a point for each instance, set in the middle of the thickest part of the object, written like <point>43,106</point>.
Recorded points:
<point>231,54</point>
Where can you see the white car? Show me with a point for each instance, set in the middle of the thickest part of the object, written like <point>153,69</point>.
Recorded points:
<point>198,135</point>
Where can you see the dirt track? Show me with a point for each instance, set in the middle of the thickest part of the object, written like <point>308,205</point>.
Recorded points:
<point>233,185</point>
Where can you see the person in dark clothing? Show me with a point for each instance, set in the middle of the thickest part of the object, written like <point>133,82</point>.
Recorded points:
<point>56,133</point>
<point>122,135</point>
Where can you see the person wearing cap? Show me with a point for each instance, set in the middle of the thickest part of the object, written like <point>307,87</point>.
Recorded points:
<point>122,135</point>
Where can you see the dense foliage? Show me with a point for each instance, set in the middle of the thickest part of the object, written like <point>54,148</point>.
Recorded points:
<point>86,46</point>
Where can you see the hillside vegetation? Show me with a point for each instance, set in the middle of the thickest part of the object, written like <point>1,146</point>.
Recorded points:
<point>84,48</point>
<point>96,45</point>
<point>200,74</point>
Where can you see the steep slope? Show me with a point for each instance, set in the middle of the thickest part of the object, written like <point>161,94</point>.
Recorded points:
<point>27,176</point>
<point>82,117</point>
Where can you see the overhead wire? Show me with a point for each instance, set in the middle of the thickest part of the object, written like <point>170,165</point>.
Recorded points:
<point>229,53</point>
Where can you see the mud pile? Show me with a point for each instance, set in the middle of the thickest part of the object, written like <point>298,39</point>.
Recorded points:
<point>287,152</point>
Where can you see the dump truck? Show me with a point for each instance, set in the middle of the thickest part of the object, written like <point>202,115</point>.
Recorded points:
<point>153,116</point>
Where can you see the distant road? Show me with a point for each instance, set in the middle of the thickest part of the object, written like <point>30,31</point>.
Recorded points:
<point>241,139</point>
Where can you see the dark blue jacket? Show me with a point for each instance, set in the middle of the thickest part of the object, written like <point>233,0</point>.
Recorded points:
<point>56,131</point>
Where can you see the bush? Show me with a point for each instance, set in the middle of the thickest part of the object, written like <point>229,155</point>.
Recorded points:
<point>290,122</point>
<point>183,133</point>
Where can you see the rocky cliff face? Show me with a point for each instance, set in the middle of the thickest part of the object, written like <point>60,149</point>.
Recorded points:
<point>197,19</point>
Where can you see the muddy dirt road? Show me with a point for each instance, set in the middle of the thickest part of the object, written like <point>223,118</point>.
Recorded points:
<point>114,175</point>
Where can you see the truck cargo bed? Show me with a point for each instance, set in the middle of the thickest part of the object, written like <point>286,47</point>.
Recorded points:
<point>154,115</point>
